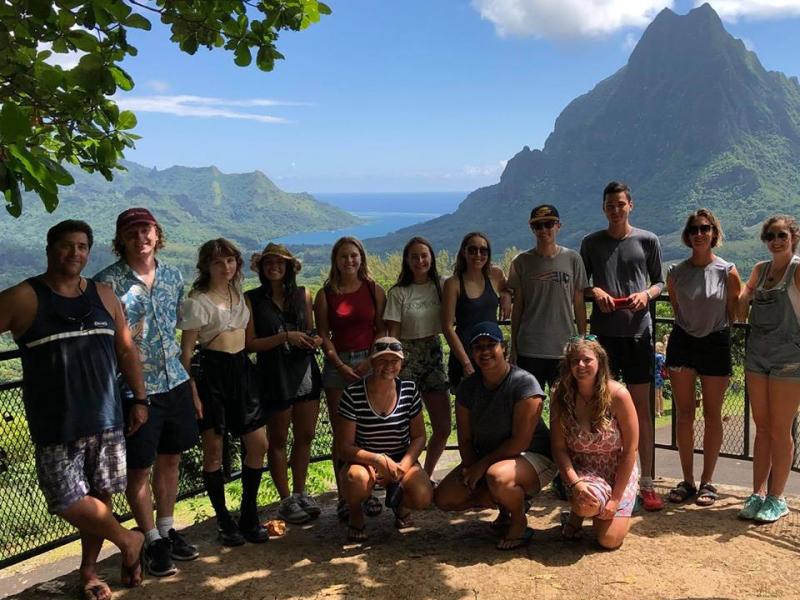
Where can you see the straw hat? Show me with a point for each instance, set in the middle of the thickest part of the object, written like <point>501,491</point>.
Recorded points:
<point>273,249</point>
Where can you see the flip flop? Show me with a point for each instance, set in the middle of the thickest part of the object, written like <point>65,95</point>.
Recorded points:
<point>132,575</point>
<point>518,542</point>
<point>403,521</point>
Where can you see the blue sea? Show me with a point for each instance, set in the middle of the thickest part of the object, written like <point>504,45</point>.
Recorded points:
<point>383,212</point>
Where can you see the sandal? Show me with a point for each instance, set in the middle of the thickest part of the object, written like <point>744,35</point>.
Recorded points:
<point>356,534</point>
<point>518,542</point>
<point>372,506</point>
<point>132,575</point>
<point>571,530</point>
<point>707,495</point>
<point>403,521</point>
<point>682,492</point>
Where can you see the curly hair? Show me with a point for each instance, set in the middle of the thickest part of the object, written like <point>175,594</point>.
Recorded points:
<point>210,251</point>
<point>334,280</point>
<point>461,259</point>
<point>118,245</point>
<point>566,391</point>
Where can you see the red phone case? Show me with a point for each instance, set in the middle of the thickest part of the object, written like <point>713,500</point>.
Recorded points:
<point>622,302</point>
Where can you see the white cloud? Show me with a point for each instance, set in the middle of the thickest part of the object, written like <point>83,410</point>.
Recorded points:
<point>733,10</point>
<point>568,18</point>
<point>65,60</point>
<point>630,41</point>
<point>492,169</point>
<point>157,85</point>
<point>201,106</point>
<point>749,44</point>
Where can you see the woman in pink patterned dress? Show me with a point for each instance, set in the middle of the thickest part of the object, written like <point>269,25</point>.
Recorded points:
<point>595,434</point>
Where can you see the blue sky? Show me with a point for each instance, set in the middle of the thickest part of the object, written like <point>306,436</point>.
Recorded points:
<point>419,95</point>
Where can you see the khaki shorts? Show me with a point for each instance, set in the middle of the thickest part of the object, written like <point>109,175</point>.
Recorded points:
<point>545,468</point>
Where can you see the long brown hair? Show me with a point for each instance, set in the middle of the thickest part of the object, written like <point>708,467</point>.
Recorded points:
<point>334,280</point>
<point>406,277</point>
<point>567,387</point>
<point>210,251</point>
<point>461,259</point>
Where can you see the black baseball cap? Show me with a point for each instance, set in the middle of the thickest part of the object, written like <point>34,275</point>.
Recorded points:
<point>544,212</point>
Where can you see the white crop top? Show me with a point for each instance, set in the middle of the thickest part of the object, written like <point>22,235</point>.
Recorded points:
<point>201,313</point>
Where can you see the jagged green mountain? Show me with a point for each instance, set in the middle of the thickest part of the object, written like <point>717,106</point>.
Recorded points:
<point>693,119</point>
<point>193,205</point>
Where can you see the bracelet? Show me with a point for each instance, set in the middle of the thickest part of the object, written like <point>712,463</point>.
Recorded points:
<point>574,483</point>
<point>141,401</point>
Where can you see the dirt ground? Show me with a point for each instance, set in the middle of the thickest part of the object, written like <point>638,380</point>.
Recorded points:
<point>681,552</point>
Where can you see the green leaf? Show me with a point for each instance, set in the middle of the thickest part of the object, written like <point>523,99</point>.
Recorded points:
<point>13,199</point>
<point>83,40</point>
<point>189,44</point>
<point>33,167</point>
<point>14,123</point>
<point>59,174</point>
<point>137,21</point>
<point>127,120</point>
<point>324,9</point>
<point>121,78</point>
<point>243,57</point>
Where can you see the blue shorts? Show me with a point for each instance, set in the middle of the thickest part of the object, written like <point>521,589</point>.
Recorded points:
<point>331,378</point>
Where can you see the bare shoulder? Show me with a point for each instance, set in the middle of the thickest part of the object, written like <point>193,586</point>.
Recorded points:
<point>451,283</point>
<point>619,393</point>
<point>17,296</point>
<point>497,273</point>
<point>18,305</point>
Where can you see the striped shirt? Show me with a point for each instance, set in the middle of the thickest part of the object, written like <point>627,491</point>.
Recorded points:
<point>391,434</point>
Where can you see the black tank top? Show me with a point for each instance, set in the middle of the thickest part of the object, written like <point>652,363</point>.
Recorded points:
<point>69,365</point>
<point>471,311</point>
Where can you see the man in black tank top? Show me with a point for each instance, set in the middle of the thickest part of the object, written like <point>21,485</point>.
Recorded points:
<point>73,337</point>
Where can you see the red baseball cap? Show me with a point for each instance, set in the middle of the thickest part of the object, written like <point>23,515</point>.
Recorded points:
<point>135,216</point>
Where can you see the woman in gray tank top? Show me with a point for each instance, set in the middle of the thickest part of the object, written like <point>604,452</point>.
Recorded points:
<point>703,291</point>
<point>772,366</point>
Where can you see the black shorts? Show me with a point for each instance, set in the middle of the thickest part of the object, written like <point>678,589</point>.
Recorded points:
<point>544,369</point>
<point>171,427</point>
<point>709,355</point>
<point>631,357</point>
<point>228,390</point>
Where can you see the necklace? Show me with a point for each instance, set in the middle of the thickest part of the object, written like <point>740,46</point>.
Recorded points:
<point>776,274</point>
<point>228,301</point>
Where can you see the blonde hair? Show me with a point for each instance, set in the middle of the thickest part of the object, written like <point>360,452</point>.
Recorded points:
<point>660,347</point>
<point>334,280</point>
<point>566,393</point>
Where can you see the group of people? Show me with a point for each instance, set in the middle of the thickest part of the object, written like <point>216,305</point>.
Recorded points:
<point>383,363</point>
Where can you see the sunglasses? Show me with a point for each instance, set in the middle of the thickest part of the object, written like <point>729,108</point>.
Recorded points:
<point>393,346</point>
<point>696,229</point>
<point>474,250</point>
<point>589,337</point>
<point>771,235</point>
<point>544,225</point>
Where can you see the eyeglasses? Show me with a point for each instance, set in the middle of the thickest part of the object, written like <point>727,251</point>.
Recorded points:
<point>695,229</point>
<point>393,346</point>
<point>474,250</point>
<point>589,337</point>
<point>771,235</point>
<point>544,224</point>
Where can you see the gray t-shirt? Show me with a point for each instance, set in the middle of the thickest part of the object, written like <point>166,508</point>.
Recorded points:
<point>547,287</point>
<point>702,294</point>
<point>492,411</point>
<point>620,268</point>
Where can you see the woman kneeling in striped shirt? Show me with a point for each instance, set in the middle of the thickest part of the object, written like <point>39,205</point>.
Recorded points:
<point>382,434</point>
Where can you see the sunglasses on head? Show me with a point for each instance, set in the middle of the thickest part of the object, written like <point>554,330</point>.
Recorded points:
<point>589,337</point>
<point>393,346</point>
<point>482,250</point>
<point>544,224</point>
<point>695,229</point>
<point>771,235</point>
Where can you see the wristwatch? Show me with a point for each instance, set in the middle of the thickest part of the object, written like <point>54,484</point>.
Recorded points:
<point>142,401</point>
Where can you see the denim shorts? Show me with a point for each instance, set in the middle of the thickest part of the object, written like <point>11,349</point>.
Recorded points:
<point>68,472</point>
<point>331,378</point>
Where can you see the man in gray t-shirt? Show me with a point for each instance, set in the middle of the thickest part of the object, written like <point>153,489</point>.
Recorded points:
<point>624,265</point>
<point>548,282</point>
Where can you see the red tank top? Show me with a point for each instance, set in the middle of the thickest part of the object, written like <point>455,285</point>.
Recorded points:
<point>351,318</point>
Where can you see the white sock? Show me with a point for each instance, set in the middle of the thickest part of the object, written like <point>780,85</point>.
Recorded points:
<point>151,536</point>
<point>164,524</point>
<point>645,483</point>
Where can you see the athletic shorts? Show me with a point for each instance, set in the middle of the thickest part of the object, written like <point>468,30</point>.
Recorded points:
<point>630,357</point>
<point>709,355</point>
<point>171,427</point>
<point>424,364</point>
<point>545,370</point>
<point>69,472</point>
<point>331,378</point>
<point>228,390</point>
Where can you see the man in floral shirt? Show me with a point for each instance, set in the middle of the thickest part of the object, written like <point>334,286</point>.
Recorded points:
<point>152,293</point>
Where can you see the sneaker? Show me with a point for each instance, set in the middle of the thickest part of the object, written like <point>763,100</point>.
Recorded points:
<point>157,560</point>
<point>180,549</point>
<point>773,509</point>
<point>229,534</point>
<point>289,510</point>
<point>751,507</point>
<point>650,500</point>
<point>308,504</point>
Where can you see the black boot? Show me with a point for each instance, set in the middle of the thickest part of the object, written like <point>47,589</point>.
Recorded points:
<point>227,528</point>
<point>249,525</point>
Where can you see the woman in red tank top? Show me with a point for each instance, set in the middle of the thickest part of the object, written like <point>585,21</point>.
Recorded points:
<point>348,311</point>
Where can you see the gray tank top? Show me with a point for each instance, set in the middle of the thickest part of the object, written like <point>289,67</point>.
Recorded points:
<point>702,294</point>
